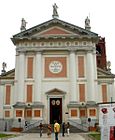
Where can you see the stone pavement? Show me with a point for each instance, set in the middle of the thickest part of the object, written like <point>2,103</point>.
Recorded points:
<point>35,136</point>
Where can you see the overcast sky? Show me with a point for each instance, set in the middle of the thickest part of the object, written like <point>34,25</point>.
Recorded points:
<point>101,14</point>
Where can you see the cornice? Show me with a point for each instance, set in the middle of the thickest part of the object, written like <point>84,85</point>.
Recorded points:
<point>52,48</point>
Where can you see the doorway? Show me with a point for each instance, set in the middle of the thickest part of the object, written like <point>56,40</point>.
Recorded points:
<point>55,110</point>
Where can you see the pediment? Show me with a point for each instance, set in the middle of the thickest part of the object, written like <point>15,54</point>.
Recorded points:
<point>104,73</point>
<point>55,91</point>
<point>8,75</point>
<point>54,27</point>
<point>53,31</point>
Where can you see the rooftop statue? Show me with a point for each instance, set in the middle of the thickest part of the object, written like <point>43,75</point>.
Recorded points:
<point>55,13</point>
<point>23,25</point>
<point>87,22</point>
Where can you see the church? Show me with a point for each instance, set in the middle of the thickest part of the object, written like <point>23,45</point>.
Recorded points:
<point>61,73</point>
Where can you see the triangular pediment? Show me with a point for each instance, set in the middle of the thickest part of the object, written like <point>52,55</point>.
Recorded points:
<point>55,91</point>
<point>104,73</point>
<point>54,27</point>
<point>8,75</point>
<point>53,31</point>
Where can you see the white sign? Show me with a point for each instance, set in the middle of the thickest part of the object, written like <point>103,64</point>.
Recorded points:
<point>107,115</point>
<point>105,133</point>
<point>55,67</point>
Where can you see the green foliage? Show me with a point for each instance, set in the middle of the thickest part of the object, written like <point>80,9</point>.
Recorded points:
<point>6,135</point>
<point>96,136</point>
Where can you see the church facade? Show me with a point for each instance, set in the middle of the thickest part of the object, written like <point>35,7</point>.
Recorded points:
<point>58,75</point>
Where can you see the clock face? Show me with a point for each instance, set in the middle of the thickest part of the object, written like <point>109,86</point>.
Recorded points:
<point>55,67</point>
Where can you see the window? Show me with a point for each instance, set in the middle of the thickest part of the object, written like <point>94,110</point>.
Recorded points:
<point>7,113</point>
<point>30,67</point>
<point>37,113</point>
<point>73,113</point>
<point>18,113</point>
<point>8,94</point>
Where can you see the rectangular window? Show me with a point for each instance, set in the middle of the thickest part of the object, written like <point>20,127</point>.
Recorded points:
<point>29,93</point>
<point>7,113</point>
<point>92,112</point>
<point>73,113</point>
<point>104,93</point>
<point>18,113</point>
<point>82,113</point>
<point>82,92</point>
<point>30,67</point>
<point>29,113</point>
<point>37,113</point>
<point>8,94</point>
<point>80,66</point>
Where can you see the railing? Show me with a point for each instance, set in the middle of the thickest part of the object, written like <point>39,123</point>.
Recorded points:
<point>81,126</point>
<point>32,125</point>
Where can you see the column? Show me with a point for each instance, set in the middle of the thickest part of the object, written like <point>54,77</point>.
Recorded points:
<point>38,77</point>
<point>95,76</point>
<point>16,76</point>
<point>21,77</point>
<point>90,77</point>
<point>73,89</point>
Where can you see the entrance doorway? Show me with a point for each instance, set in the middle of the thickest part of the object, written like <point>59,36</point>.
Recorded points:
<point>55,110</point>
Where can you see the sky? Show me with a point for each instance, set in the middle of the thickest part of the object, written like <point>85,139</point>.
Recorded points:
<point>35,12</point>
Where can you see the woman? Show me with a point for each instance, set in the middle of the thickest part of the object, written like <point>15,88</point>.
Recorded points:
<point>49,130</point>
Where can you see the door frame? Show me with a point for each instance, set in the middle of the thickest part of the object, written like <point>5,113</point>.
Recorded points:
<point>55,93</point>
<point>50,109</point>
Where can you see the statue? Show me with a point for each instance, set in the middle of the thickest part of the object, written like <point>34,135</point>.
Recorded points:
<point>87,22</point>
<point>108,65</point>
<point>23,25</point>
<point>4,65</point>
<point>55,13</point>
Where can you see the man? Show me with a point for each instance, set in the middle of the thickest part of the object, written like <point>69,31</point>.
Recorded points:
<point>41,129</point>
<point>63,129</point>
<point>56,129</point>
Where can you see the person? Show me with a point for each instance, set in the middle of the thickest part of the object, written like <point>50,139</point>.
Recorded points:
<point>68,128</point>
<point>63,129</point>
<point>56,129</point>
<point>26,124</point>
<point>49,130</point>
<point>41,129</point>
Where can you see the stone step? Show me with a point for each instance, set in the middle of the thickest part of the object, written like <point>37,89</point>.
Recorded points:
<point>73,129</point>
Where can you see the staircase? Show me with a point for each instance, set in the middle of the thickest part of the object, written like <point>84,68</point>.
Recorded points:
<point>36,129</point>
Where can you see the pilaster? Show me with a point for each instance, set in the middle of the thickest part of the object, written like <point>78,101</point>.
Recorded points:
<point>90,77</point>
<point>21,76</point>
<point>73,89</point>
<point>38,76</point>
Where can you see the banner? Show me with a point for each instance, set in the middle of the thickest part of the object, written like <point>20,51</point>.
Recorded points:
<point>107,121</point>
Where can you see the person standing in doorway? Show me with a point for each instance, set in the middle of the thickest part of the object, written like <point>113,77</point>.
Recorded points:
<point>56,129</point>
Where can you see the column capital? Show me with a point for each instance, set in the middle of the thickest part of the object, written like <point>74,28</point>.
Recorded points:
<point>72,50</point>
<point>38,52</point>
